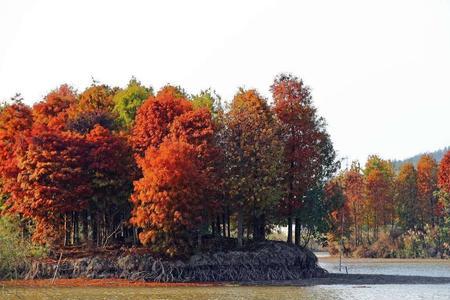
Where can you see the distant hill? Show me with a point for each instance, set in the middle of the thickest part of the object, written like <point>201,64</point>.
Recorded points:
<point>437,155</point>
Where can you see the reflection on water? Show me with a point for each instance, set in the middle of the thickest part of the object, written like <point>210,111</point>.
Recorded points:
<point>332,292</point>
<point>409,292</point>
<point>434,268</point>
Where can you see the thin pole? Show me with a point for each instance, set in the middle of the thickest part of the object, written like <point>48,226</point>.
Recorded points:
<point>342,243</point>
<point>57,267</point>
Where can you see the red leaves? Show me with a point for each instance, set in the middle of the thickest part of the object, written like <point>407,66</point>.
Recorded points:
<point>169,199</point>
<point>175,153</point>
<point>427,169</point>
<point>111,166</point>
<point>444,173</point>
<point>154,118</point>
<point>53,111</point>
<point>51,180</point>
<point>15,125</point>
<point>308,152</point>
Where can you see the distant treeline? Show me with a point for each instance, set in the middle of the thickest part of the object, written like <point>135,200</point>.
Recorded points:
<point>436,155</point>
<point>384,212</point>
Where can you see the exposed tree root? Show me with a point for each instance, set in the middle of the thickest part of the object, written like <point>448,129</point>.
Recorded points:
<point>271,261</point>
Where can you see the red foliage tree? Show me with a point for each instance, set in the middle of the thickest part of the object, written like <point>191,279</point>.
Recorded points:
<point>15,124</point>
<point>111,170</point>
<point>154,118</point>
<point>308,152</point>
<point>353,184</point>
<point>444,173</point>
<point>167,201</point>
<point>196,128</point>
<point>380,209</point>
<point>52,178</point>
<point>427,169</point>
<point>53,110</point>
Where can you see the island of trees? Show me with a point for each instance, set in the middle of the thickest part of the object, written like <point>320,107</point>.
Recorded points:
<point>164,170</point>
<point>169,172</point>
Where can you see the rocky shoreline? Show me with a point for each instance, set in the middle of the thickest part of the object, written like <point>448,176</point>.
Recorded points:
<point>270,261</point>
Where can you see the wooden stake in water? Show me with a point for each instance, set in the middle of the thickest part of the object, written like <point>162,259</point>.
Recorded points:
<point>341,242</point>
<point>57,267</point>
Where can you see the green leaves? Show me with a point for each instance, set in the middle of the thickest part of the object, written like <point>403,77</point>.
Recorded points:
<point>128,100</point>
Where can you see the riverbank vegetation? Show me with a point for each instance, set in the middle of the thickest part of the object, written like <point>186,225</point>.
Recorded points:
<point>387,213</point>
<point>124,167</point>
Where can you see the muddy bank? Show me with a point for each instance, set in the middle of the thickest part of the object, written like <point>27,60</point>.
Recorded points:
<point>269,261</point>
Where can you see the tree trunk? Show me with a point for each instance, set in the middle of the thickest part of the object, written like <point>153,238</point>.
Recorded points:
<point>297,231</point>
<point>229,222</point>
<point>76,236</point>
<point>289,233</point>
<point>199,240</point>
<point>240,221</point>
<point>259,226</point>
<point>219,230</point>
<point>224,222</point>
<point>94,230</point>
<point>85,227</point>
<point>213,228</point>
<point>66,231</point>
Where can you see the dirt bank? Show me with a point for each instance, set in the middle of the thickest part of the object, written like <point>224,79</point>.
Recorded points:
<point>267,261</point>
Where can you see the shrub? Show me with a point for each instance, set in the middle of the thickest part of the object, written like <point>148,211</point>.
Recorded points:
<point>16,252</point>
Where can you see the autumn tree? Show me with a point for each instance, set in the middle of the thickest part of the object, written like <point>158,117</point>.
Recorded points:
<point>309,157</point>
<point>94,103</point>
<point>84,122</point>
<point>380,207</point>
<point>53,110</point>
<point>208,99</point>
<point>155,116</point>
<point>443,194</point>
<point>406,196</point>
<point>96,97</point>
<point>15,124</point>
<point>168,199</point>
<point>111,170</point>
<point>353,188</point>
<point>339,210</point>
<point>128,100</point>
<point>444,173</point>
<point>52,179</point>
<point>427,170</point>
<point>252,154</point>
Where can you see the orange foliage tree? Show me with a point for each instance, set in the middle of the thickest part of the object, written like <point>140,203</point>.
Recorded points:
<point>252,154</point>
<point>15,125</point>
<point>53,110</point>
<point>427,170</point>
<point>353,185</point>
<point>406,196</point>
<point>154,118</point>
<point>96,97</point>
<point>52,179</point>
<point>111,171</point>
<point>380,209</point>
<point>444,173</point>
<point>168,200</point>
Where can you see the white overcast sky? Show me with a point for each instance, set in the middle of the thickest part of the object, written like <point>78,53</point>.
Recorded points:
<point>379,70</point>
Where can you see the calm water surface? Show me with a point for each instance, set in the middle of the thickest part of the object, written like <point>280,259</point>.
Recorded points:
<point>335,292</point>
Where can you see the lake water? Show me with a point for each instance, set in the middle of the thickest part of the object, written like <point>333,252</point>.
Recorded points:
<point>328,292</point>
